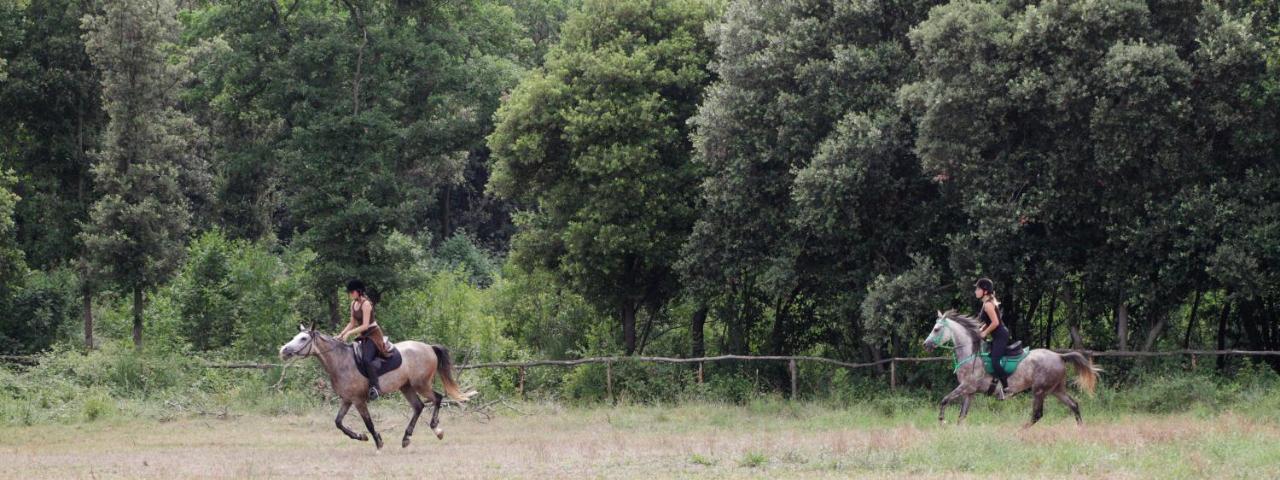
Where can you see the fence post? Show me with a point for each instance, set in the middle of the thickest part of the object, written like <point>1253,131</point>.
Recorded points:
<point>700,373</point>
<point>522,382</point>
<point>893,374</point>
<point>791,364</point>
<point>608,379</point>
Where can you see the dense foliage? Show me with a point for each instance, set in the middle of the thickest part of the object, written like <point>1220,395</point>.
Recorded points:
<point>560,178</point>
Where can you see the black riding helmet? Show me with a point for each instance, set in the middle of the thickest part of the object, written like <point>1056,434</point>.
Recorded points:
<point>985,284</point>
<point>355,285</point>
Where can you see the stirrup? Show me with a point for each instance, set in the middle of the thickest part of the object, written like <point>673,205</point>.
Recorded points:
<point>996,389</point>
<point>374,393</point>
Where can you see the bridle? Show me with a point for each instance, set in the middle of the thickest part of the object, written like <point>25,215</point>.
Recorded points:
<point>311,344</point>
<point>942,335</point>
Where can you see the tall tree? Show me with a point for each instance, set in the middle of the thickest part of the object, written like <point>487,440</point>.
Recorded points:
<point>136,229</point>
<point>1008,97</point>
<point>596,143</point>
<point>341,123</point>
<point>813,188</point>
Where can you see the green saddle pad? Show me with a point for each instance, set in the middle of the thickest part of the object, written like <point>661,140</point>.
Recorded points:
<point>1010,363</point>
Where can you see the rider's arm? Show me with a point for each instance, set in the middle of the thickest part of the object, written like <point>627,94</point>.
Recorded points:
<point>990,308</point>
<point>368,317</point>
<point>351,323</point>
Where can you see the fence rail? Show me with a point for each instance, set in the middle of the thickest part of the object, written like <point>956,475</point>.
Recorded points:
<point>790,359</point>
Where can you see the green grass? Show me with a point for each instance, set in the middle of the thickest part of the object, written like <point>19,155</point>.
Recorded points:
<point>767,438</point>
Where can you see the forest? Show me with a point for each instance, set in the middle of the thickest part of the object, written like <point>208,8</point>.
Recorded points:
<point>566,178</point>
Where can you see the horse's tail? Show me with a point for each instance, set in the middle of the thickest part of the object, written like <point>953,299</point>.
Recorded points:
<point>1086,373</point>
<point>444,365</point>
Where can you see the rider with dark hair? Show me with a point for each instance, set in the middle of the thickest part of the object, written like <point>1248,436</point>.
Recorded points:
<point>990,316</point>
<point>362,325</point>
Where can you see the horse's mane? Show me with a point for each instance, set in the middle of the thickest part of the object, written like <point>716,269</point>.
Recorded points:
<point>971,325</point>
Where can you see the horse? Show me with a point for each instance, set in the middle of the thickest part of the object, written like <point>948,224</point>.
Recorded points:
<point>1043,372</point>
<point>420,364</point>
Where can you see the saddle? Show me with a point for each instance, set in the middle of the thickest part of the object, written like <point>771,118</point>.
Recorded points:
<point>1013,349</point>
<point>1014,354</point>
<point>391,362</point>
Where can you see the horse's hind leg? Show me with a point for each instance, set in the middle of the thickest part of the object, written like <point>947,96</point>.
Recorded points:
<point>416,403</point>
<point>342,413</point>
<point>1070,403</point>
<point>368,424</point>
<point>438,400</point>
<point>1037,409</point>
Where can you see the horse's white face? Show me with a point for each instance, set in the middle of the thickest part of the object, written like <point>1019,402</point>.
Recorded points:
<point>299,345</point>
<point>940,335</point>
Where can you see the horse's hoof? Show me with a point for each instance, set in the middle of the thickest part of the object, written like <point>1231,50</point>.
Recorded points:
<point>404,443</point>
<point>377,440</point>
<point>439,433</point>
<point>361,437</point>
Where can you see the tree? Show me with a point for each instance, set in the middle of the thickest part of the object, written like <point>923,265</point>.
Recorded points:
<point>13,264</point>
<point>339,124</point>
<point>813,187</point>
<point>1087,137</point>
<point>51,94</point>
<point>136,229</point>
<point>596,145</point>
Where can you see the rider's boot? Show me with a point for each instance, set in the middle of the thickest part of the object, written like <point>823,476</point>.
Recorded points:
<point>374,393</point>
<point>997,388</point>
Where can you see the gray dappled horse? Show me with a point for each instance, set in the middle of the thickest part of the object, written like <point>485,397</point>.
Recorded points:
<point>1044,372</point>
<point>420,363</point>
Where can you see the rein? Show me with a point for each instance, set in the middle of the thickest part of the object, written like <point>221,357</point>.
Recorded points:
<point>311,346</point>
<point>957,361</point>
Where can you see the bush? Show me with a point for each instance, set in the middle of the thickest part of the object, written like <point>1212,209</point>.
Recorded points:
<point>38,310</point>
<point>461,253</point>
<point>234,293</point>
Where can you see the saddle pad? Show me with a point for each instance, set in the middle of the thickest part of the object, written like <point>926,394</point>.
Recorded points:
<point>1010,362</point>
<point>388,364</point>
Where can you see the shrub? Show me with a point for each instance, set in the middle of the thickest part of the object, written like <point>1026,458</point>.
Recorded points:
<point>39,308</point>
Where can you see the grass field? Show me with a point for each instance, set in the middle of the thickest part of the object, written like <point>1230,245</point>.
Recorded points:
<point>763,439</point>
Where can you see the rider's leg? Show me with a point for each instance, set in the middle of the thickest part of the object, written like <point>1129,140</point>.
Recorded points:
<point>999,340</point>
<point>369,355</point>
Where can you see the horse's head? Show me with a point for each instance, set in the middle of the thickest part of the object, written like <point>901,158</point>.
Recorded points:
<point>302,344</point>
<point>941,334</point>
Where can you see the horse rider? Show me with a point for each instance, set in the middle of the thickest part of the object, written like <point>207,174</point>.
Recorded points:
<point>990,316</point>
<point>364,327</point>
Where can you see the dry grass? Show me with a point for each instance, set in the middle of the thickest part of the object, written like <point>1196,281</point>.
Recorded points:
<point>709,441</point>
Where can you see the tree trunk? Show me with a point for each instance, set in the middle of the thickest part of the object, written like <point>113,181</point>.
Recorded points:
<point>86,312</point>
<point>1029,318</point>
<point>696,326</point>
<point>1222,332</point>
<point>137,317</point>
<point>1191,322</point>
<point>1154,334</point>
<point>334,319</point>
<point>628,329</point>
<point>736,333</point>
<point>1075,310</point>
<point>1122,326</point>
<point>446,212</point>
<point>1048,328</point>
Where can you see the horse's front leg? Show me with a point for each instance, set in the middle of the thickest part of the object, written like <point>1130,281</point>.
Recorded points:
<point>942,408</point>
<point>368,424</point>
<point>964,407</point>
<point>342,413</point>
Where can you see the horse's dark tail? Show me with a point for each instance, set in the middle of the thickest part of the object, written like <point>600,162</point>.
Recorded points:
<point>444,366</point>
<point>1086,373</point>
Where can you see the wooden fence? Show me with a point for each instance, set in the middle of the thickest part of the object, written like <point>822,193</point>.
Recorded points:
<point>791,362</point>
